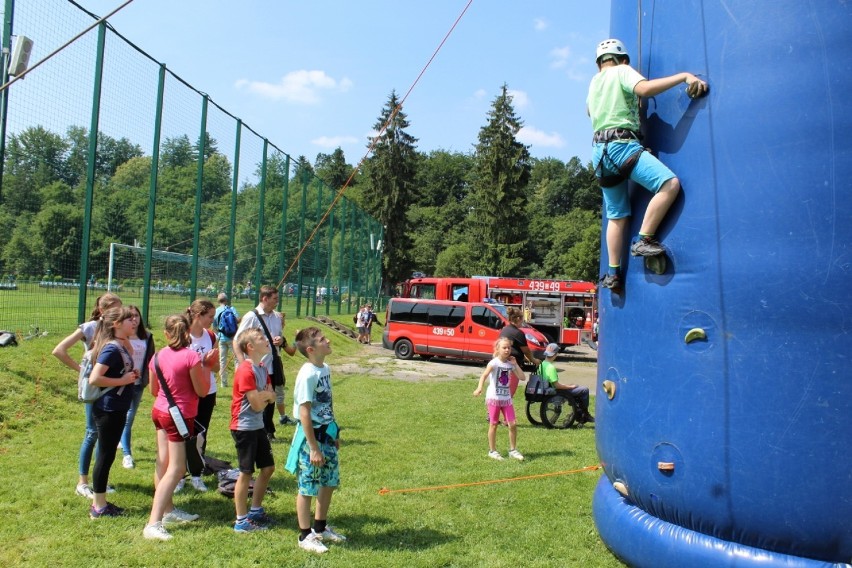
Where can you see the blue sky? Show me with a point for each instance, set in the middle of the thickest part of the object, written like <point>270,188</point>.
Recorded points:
<point>315,75</point>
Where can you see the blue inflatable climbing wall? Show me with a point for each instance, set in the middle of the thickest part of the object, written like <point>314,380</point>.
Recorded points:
<point>736,449</point>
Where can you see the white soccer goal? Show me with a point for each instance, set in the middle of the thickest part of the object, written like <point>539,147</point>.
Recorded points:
<point>171,272</point>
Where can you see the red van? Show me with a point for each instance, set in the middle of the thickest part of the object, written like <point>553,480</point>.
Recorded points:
<point>444,328</point>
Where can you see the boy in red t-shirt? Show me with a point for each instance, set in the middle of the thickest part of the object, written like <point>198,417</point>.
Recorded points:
<point>252,393</point>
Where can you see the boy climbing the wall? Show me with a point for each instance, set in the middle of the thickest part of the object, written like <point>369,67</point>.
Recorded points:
<point>613,106</point>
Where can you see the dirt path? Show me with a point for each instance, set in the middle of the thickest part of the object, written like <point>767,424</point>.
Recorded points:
<point>577,365</point>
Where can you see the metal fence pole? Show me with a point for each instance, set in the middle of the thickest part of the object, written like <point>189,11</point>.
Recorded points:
<point>152,196</point>
<point>258,269</point>
<point>353,231</point>
<point>300,284</point>
<point>90,173</point>
<point>315,245</point>
<point>340,262</point>
<point>229,270</point>
<point>8,16</point>
<point>282,244</point>
<point>199,186</point>
<point>329,255</point>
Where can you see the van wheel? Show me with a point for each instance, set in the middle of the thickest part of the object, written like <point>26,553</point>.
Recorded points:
<point>403,349</point>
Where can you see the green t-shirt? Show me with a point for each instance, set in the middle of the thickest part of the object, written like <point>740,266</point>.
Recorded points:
<point>611,101</point>
<point>548,372</point>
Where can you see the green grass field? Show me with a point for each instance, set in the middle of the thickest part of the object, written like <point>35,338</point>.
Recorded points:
<point>397,435</point>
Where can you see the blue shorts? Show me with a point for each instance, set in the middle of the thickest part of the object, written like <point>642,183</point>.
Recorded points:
<point>310,477</point>
<point>649,172</point>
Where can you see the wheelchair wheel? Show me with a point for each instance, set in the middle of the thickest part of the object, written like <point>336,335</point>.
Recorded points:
<point>557,412</point>
<point>534,413</point>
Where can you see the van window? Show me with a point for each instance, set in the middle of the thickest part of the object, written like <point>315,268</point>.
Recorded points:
<point>409,312</point>
<point>445,316</point>
<point>460,292</point>
<point>486,317</point>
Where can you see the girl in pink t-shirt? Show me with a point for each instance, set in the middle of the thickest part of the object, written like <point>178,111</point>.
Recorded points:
<point>182,372</point>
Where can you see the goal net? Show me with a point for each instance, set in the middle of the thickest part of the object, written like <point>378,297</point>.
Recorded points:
<point>171,272</point>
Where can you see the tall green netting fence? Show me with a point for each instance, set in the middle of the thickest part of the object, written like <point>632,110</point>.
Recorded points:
<point>172,199</point>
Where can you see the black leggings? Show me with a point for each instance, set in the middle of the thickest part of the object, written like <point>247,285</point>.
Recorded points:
<point>205,413</point>
<point>110,426</point>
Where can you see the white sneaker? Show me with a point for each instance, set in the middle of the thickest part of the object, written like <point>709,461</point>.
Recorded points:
<point>495,455</point>
<point>179,486</point>
<point>198,483</point>
<point>128,462</point>
<point>176,516</point>
<point>330,535</point>
<point>156,532</point>
<point>83,490</point>
<point>110,488</point>
<point>313,543</point>
<point>516,455</point>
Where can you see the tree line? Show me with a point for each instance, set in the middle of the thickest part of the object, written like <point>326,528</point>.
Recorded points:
<point>492,211</point>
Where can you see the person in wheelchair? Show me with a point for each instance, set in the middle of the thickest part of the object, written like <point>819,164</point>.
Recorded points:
<point>581,394</point>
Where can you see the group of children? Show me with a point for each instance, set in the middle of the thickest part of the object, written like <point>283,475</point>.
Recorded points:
<point>181,376</point>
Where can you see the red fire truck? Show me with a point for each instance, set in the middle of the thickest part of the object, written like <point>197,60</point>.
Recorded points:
<point>564,310</point>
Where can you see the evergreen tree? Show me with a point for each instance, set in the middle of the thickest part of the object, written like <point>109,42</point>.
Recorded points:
<point>391,172</point>
<point>499,192</point>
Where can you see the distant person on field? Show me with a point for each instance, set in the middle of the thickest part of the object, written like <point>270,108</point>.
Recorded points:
<point>85,333</point>
<point>548,372</point>
<point>224,340</point>
<point>361,319</point>
<point>265,312</point>
<point>252,394</point>
<point>187,381</point>
<point>520,349</point>
<point>371,319</point>
<point>498,398</point>
<point>313,452</point>
<point>613,105</point>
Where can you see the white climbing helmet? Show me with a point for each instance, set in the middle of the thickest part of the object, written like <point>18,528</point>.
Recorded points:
<point>611,47</point>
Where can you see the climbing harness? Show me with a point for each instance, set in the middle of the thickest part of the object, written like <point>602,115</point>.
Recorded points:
<point>626,168</point>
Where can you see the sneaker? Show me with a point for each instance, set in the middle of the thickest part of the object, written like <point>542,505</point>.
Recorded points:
<point>647,246</point>
<point>260,518</point>
<point>128,463</point>
<point>110,488</point>
<point>612,281</point>
<point>286,420</point>
<point>247,526</point>
<point>177,516</point>
<point>83,490</point>
<point>495,455</point>
<point>156,532</point>
<point>179,486</point>
<point>198,484</point>
<point>270,436</point>
<point>313,543</point>
<point>330,535</point>
<point>515,454</point>
<point>109,511</point>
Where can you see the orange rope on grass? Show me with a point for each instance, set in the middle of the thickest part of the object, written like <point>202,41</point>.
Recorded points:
<point>386,491</point>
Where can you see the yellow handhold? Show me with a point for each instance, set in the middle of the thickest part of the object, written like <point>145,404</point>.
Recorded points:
<point>609,389</point>
<point>620,487</point>
<point>694,334</point>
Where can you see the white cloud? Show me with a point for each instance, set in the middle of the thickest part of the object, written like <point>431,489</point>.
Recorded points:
<point>303,86</point>
<point>519,98</point>
<point>540,24</point>
<point>480,94</point>
<point>333,141</point>
<point>536,137</point>
<point>559,57</point>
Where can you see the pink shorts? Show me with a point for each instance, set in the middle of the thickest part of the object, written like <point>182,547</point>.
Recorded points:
<point>494,413</point>
<point>163,421</point>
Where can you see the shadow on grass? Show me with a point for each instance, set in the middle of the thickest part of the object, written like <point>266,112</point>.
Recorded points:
<point>392,538</point>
